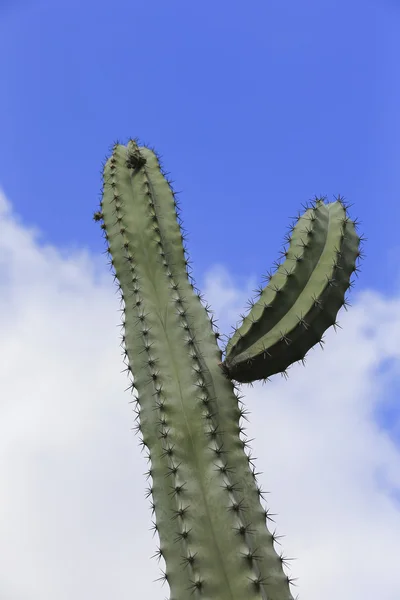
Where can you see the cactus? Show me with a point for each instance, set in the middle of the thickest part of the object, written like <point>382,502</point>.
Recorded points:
<point>212,527</point>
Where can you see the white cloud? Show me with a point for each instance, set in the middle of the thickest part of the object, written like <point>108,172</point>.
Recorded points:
<point>74,521</point>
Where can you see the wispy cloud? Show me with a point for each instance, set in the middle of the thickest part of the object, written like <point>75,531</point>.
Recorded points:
<point>74,521</point>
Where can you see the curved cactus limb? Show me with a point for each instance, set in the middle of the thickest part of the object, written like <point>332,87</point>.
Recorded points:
<point>302,298</point>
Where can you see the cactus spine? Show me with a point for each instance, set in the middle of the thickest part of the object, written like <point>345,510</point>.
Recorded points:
<point>210,521</point>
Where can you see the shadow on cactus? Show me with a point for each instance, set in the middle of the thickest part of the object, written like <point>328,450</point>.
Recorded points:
<point>211,524</point>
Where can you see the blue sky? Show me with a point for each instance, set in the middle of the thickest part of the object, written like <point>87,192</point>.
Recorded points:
<point>255,109</point>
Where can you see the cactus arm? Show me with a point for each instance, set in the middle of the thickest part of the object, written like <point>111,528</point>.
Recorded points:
<point>302,298</point>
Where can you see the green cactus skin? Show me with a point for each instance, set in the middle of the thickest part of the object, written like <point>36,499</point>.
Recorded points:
<point>209,517</point>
